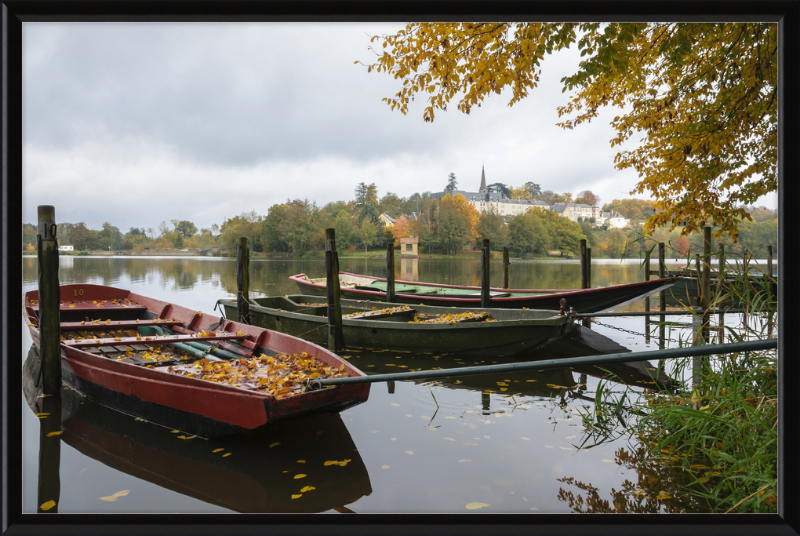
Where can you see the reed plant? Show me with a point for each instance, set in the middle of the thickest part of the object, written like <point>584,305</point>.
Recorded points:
<point>717,425</point>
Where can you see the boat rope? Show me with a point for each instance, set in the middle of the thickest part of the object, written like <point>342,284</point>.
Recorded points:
<point>632,357</point>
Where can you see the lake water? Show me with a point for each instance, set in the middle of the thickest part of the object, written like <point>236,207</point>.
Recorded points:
<point>508,443</point>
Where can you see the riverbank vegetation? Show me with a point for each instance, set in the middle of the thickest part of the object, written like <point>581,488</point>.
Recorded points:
<point>710,442</point>
<point>448,226</point>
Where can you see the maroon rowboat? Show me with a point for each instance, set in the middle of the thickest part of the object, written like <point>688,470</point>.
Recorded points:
<point>590,300</point>
<point>192,405</point>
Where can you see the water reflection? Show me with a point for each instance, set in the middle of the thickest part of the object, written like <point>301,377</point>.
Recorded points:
<point>271,276</point>
<point>659,487</point>
<point>286,467</point>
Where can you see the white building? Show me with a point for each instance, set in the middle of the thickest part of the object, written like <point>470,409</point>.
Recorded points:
<point>485,201</point>
<point>615,220</point>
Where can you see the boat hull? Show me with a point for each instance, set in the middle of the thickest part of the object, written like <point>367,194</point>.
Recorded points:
<point>591,300</point>
<point>515,332</point>
<point>198,407</point>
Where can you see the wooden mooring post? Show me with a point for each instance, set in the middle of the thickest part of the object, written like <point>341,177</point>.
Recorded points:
<point>243,280</point>
<point>486,256</point>
<point>335,337</point>
<point>721,290</point>
<point>647,299</point>
<point>506,262</point>
<point>768,275</point>
<point>586,260</point>
<point>49,301</point>
<point>662,295</point>
<point>390,270</point>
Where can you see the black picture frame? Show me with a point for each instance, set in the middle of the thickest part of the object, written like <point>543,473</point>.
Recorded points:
<point>14,12</point>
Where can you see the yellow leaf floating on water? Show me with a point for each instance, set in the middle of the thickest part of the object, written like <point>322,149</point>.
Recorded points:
<point>462,460</point>
<point>51,434</point>
<point>301,461</point>
<point>525,439</point>
<point>570,437</point>
<point>663,495</point>
<point>334,462</point>
<point>217,450</point>
<point>275,444</point>
<point>117,495</point>
<point>297,496</point>
<point>448,438</point>
<point>48,505</point>
<point>408,452</point>
<point>226,455</point>
<point>607,461</point>
<point>476,505</point>
<point>386,466</point>
<point>301,475</point>
<point>534,508</point>
<point>307,488</point>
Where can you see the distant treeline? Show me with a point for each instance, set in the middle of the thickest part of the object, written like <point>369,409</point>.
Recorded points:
<point>443,225</point>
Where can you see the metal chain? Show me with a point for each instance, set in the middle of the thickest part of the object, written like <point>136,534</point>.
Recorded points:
<point>628,331</point>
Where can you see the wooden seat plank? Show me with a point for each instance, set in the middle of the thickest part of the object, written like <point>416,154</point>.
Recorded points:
<point>152,340</point>
<point>117,324</point>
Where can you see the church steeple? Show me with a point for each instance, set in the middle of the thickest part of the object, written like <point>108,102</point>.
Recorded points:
<point>483,181</point>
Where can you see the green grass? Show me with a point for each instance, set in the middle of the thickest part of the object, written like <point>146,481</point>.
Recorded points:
<point>711,443</point>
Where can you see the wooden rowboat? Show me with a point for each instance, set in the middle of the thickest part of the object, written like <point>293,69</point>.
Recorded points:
<point>590,300</point>
<point>367,324</point>
<point>148,358</point>
<point>258,476</point>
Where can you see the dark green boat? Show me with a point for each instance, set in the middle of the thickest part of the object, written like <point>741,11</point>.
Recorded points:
<point>505,332</point>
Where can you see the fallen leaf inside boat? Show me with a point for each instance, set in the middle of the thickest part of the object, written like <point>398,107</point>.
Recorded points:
<point>334,462</point>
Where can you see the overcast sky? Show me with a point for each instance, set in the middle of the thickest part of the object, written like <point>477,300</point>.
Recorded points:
<point>135,124</point>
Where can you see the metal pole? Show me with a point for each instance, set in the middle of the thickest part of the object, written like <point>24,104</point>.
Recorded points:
<point>335,336</point>
<point>485,257</point>
<point>49,301</point>
<point>390,270</point>
<point>243,280</point>
<point>632,357</point>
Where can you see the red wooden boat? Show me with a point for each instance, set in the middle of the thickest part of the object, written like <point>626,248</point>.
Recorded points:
<point>590,300</point>
<point>119,370</point>
<point>254,479</point>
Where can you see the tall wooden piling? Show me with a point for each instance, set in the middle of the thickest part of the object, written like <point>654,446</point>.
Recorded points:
<point>705,296</point>
<point>243,280</point>
<point>506,262</point>
<point>585,254</point>
<point>584,281</point>
<point>588,267</point>
<point>662,295</point>
<point>335,337</point>
<point>390,270</point>
<point>647,299</point>
<point>49,301</point>
<point>721,291</point>
<point>486,256</point>
<point>768,275</point>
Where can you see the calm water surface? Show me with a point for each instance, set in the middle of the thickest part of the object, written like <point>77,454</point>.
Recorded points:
<point>411,448</point>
